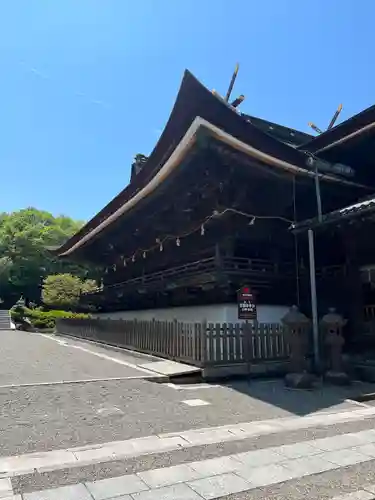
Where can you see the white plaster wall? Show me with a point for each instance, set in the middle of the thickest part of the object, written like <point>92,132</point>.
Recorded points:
<point>214,313</point>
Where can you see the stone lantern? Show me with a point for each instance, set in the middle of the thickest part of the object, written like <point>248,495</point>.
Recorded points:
<point>332,325</point>
<point>297,327</point>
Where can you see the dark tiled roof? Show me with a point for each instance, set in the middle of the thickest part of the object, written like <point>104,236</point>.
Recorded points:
<point>193,100</point>
<point>284,134</point>
<point>360,209</point>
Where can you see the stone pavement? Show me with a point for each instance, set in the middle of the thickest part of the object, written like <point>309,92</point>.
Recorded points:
<point>244,472</point>
<point>130,439</point>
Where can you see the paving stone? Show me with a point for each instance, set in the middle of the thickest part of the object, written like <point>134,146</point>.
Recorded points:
<point>207,436</point>
<point>259,428</point>
<point>338,442</point>
<point>366,449</point>
<point>99,454</point>
<point>289,424</point>
<point>74,492</point>
<point>122,497</point>
<point>115,486</point>
<point>5,494</point>
<point>5,487</point>
<point>259,457</point>
<point>366,411</point>
<point>151,444</point>
<point>305,466</point>
<point>346,457</point>
<point>370,488</point>
<point>298,450</point>
<point>165,476</point>
<point>195,402</point>
<point>174,492</point>
<point>170,367</point>
<point>214,466</point>
<point>356,495</point>
<point>155,444</point>
<point>368,435</point>
<point>216,486</point>
<point>264,476</point>
<point>43,461</point>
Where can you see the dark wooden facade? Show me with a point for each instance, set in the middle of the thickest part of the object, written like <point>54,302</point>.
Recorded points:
<point>350,232</point>
<point>220,218</point>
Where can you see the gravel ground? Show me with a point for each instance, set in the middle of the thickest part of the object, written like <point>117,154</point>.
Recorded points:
<point>41,418</point>
<point>32,358</point>
<point>69,415</point>
<point>37,481</point>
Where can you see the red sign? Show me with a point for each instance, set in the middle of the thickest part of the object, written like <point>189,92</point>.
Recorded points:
<point>247,308</point>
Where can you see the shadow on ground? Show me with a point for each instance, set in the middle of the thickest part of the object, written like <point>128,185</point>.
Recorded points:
<point>298,401</point>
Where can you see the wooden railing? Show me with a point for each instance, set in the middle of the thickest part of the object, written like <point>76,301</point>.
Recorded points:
<point>260,272</point>
<point>260,269</point>
<point>200,344</point>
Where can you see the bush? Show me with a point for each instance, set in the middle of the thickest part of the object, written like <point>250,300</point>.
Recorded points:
<point>38,318</point>
<point>17,312</point>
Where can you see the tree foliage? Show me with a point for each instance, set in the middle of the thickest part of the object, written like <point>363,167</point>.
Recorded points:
<point>26,237</point>
<point>64,290</point>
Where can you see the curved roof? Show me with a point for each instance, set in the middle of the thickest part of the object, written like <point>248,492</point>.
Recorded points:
<point>195,108</point>
<point>345,131</point>
<point>351,142</point>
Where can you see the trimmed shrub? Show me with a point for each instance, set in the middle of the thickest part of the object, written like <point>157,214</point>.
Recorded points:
<point>38,318</point>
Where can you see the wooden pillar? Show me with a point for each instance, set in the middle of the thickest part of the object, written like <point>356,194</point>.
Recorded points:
<point>353,286</point>
<point>221,251</point>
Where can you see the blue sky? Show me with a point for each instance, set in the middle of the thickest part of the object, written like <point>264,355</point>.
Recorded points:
<point>87,84</point>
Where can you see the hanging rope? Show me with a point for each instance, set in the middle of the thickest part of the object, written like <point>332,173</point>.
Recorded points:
<point>200,227</point>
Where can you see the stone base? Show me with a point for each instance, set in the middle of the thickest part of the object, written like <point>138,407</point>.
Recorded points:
<point>300,380</point>
<point>365,372</point>
<point>337,378</point>
<point>256,370</point>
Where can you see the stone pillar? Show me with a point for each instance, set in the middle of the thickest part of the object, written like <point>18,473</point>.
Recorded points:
<point>297,327</point>
<point>332,332</point>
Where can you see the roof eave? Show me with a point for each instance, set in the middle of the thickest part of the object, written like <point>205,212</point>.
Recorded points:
<point>177,157</point>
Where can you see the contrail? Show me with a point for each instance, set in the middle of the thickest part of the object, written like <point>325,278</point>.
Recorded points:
<point>45,76</point>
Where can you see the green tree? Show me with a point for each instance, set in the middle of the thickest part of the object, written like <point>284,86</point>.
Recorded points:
<point>26,237</point>
<point>88,286</point>
<point>64,290</point>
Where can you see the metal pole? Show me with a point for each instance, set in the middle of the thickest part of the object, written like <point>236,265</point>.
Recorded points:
<point>314,307</point>
<point>318,197</point>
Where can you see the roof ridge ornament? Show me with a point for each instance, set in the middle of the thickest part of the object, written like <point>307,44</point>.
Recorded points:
<point>331,123</point>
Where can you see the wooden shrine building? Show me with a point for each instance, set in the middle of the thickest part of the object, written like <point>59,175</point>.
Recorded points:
<point>352,228</point>
<point>210,210</point>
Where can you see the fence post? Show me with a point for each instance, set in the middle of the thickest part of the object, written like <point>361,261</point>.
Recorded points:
<point>203,341</point>
<point>247,343</point>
